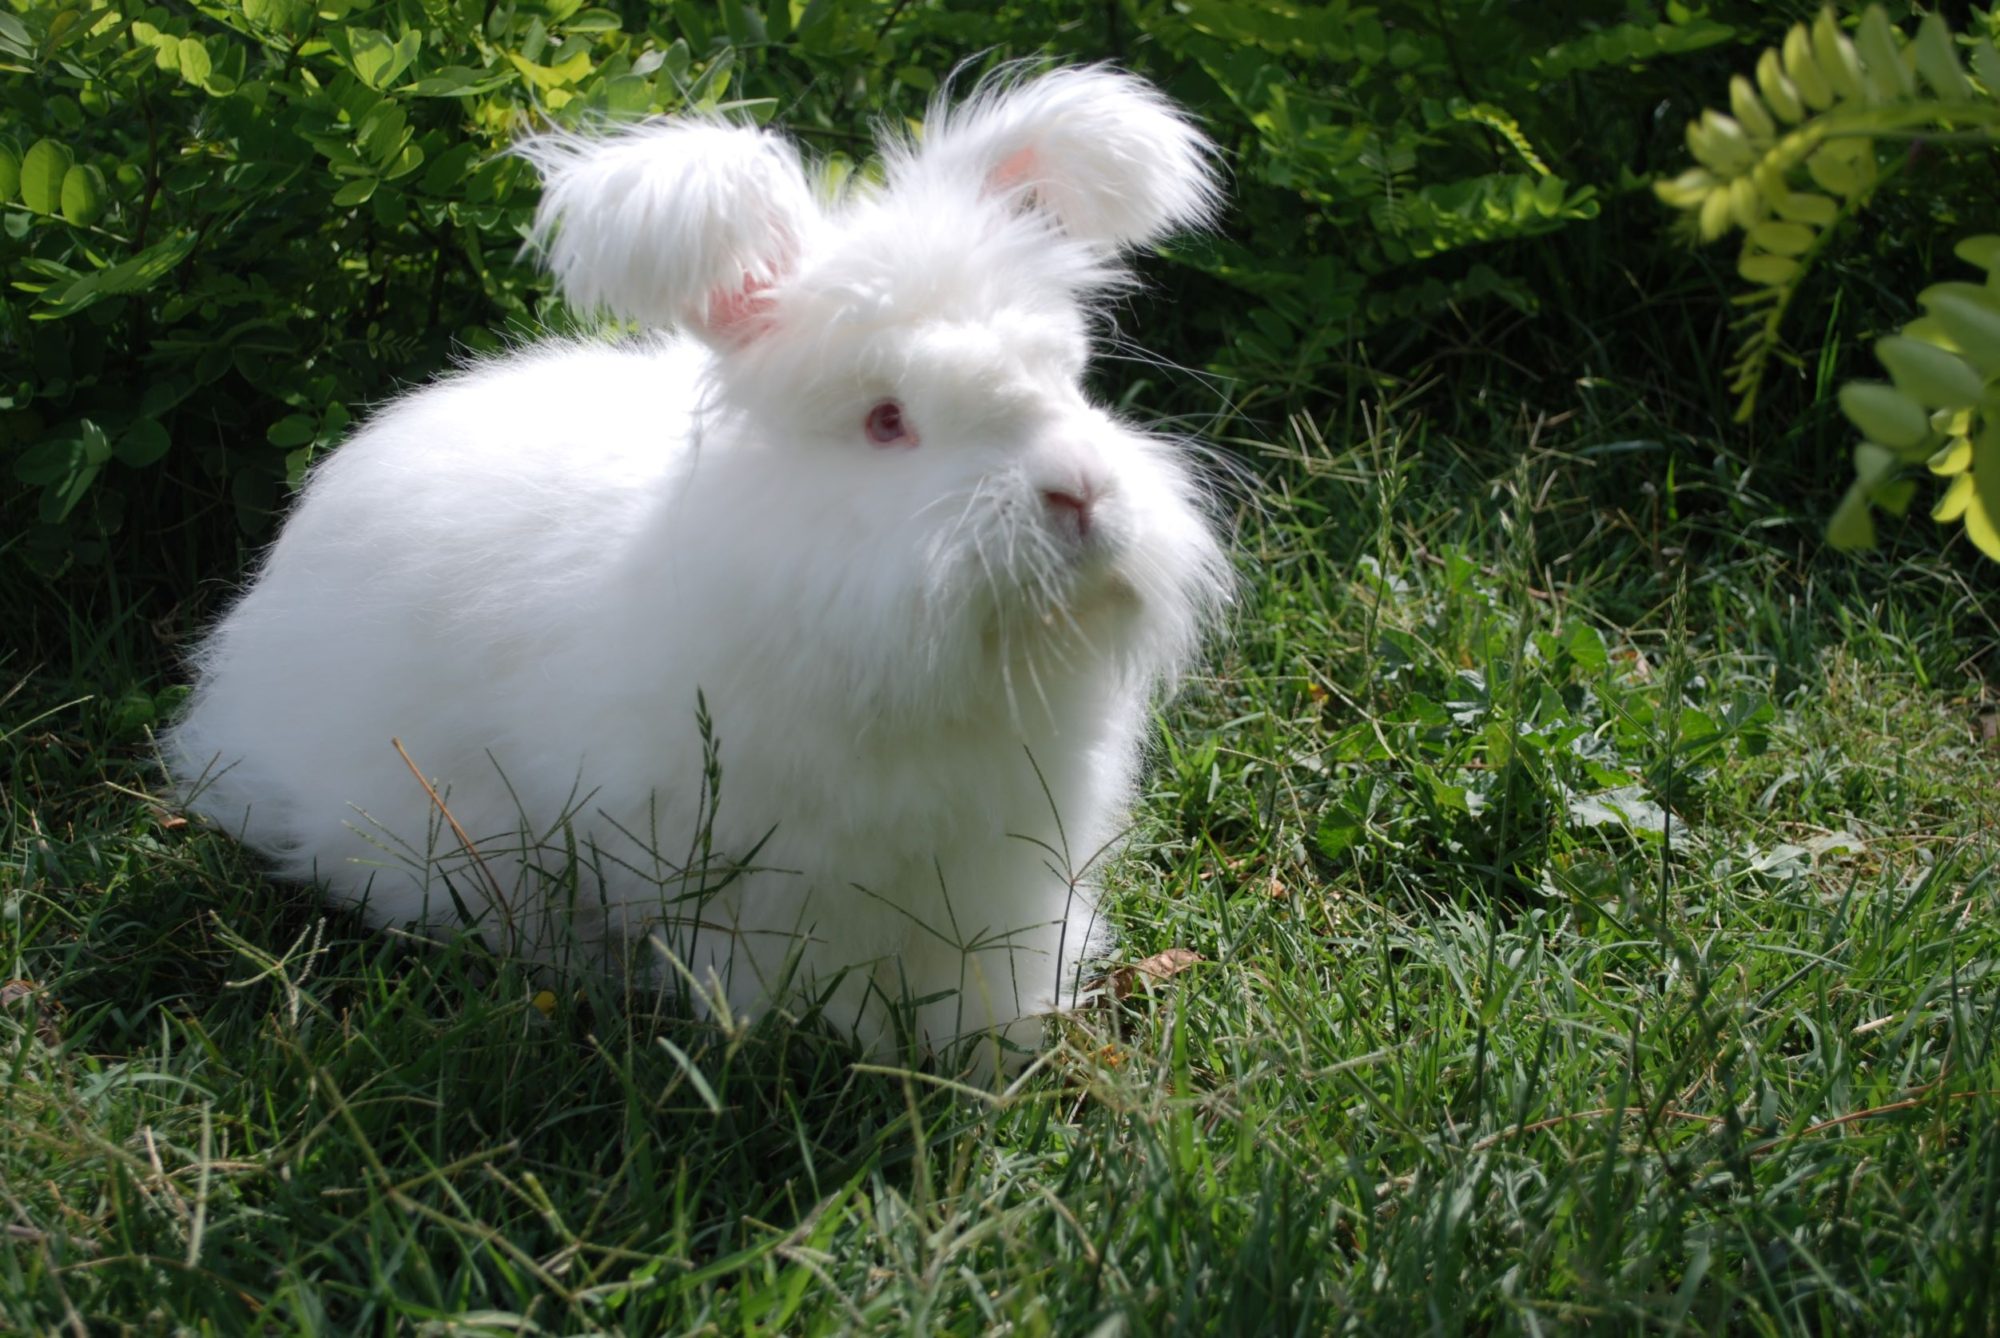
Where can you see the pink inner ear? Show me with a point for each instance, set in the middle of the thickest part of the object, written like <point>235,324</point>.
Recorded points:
<point>1016,169</point>
<point>740,315</point>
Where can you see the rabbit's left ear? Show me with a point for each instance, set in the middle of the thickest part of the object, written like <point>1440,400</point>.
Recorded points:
<point>1102,151</point>
<point>679,223</point>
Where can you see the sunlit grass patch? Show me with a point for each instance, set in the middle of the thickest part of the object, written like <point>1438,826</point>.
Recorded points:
<point>1560,934</point>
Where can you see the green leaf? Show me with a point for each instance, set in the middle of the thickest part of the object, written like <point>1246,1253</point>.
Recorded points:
<point>1954,457</point>
<point>381,133</point>
<point>42,173</point>
<point>96,445</point>
<point>1936,378</point>
<point>144,443</point>
<point>1815,211</point>
<point>406,162</point>
<point>446,174</point>
<point>83,195</point>
<point>1986,64</point>
<point>1881,52</point>
<point>1970,314</point>
<point>1836,170</point>
<point>14,37</point>
<point>1453,797</point>
<point>677,59</point>
<point>713,83</point>
<point>1340,828</point>
<point>1781,238</point>
<point>64,468</point>
<point>1967,311</point>
<point>1585,647</point>
<point>1884,413</point>
<point>1874,465</point>
<point>132,713</point>
<point>194,62</point>
<point>1982,512</point>
<point>459,81</point>
<point>1894,496</point>
<point>128,276</point>
<point>47,461</point>
<point>376,60</point>
<point>292,430</point>
<point>227,75</point>
<point>1767,271</point>
<point>1852,527</point>
<point>355,192</point>
<point>10,172</point>
<point>1937,61</point>
<point>166,47</point>
<point>1983,251</point>
<point>58,500</point>
<point>1629,43</point>
<point>628,94</point>
<point>151,265</point>
<point>548,78</point>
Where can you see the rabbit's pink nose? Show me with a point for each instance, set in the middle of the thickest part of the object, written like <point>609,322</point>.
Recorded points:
<point>1070,509</point>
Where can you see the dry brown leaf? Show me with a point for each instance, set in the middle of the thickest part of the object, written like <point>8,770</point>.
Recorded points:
<point>1160,966</point>
<point>41,1011</point>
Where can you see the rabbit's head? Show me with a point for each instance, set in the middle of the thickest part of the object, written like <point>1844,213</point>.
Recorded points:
<point>901,360</point>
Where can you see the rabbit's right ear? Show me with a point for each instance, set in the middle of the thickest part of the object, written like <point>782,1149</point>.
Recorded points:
<point>681,224</point>
<point>1102,152</point>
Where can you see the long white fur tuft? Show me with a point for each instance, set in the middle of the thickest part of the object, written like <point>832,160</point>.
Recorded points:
<point>662,223</point>
<point>1104,152</point>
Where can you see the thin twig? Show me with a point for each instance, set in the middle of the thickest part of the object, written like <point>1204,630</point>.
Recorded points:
<point>1554,1120</point>
<point>464,840</point>
<point>1869,1114</point>
<point>890,22</point>
<point>1849,1118</point>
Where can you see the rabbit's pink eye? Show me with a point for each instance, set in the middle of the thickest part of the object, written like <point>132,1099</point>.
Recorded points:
<point>886,426</point>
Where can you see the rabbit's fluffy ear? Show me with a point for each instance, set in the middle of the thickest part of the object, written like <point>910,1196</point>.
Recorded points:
<point>1102,151</point>
<point>678,223</point>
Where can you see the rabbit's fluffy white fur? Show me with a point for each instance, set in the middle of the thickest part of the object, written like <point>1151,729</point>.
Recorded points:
<point>852,497</point>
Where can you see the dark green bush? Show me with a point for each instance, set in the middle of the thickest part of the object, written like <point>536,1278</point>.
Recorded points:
<point>230,227</point>
<point>1383,152</point>
<point>235,227</point>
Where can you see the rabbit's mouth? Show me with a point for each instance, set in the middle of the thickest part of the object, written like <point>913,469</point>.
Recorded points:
<point>1098,590</point>
<point>1087,609</point>
<point>1082,599</point>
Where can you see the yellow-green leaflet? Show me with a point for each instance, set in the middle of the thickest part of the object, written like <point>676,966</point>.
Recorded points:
<point>1935,378</point>
<point>1884,413</point>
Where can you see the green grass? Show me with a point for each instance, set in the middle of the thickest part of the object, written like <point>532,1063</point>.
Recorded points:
<point>1599,907</point>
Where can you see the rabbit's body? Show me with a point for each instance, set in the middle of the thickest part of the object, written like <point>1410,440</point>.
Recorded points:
<point>923,588</point>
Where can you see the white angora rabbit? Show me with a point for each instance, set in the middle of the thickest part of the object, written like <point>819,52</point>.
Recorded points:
<point>855,500</point>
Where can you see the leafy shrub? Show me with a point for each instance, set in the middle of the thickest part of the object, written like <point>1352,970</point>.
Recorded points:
<point>261,211</point>
<point>1827,123</point>
<point>232,227</point>
<point>1384,154</point>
